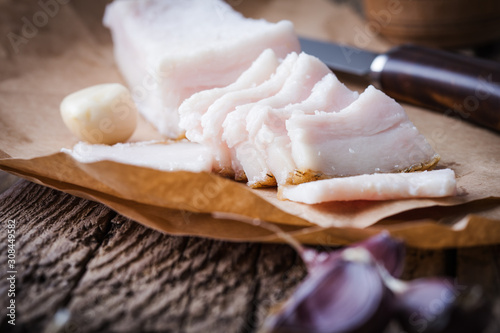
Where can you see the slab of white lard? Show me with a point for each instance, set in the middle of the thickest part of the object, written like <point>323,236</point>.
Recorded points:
<point>168,50</point>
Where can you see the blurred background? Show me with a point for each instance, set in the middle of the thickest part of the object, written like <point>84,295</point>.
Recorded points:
<point>471,27</point>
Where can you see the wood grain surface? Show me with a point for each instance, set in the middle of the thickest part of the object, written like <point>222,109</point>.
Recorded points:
<point>111,274</point>
<point>83,268</point>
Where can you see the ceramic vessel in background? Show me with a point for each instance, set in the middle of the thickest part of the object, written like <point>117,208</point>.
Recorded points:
<point>441,23</point>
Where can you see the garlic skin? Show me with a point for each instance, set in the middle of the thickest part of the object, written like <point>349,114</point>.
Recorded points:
<point>101,114</point>
<point>356,290</point>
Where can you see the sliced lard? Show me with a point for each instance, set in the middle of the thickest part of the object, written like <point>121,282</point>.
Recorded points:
<point>214,117</point>
<point>268,134</point>
<point>246,157</point>
<point>193,108</point>
<point>371,135</point>
<point>249,123</point>
<point>428,184</point>
<point>168,50</point>
<point>176,156</point>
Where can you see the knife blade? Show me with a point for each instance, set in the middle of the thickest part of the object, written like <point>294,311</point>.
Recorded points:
<point>458,86</point>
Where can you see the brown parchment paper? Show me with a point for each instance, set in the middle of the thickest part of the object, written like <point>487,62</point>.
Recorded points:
<point>72,51</point>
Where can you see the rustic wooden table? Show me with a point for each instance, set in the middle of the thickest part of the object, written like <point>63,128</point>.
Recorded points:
<point>83,268</point>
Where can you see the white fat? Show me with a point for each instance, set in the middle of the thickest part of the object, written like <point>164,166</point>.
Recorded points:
<point>265,136</point>
<point>429,184</point>
<point>178,156</point>
<point>213,119</point>
<point>192,109</point>
<point>329,94</point>
<point>373,134</point>
<point>241,126</point>
<point>168,50</point>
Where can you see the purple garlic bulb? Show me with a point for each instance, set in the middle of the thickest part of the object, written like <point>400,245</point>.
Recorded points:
<point>388,251</point>
<point>356,290</point>
<point>348,297</point>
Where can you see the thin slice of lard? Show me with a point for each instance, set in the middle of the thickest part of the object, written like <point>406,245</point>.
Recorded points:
<point>168,50</point>
<point>372,135</point>
<point>389,186</point>
<point>177,156</point>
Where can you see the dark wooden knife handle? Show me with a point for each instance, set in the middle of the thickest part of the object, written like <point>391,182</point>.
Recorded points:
<point>457,85</point>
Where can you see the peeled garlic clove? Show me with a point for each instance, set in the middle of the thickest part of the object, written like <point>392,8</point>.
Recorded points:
<point>350,297</point>
<point>388,251</point>
<point>101,114</point>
